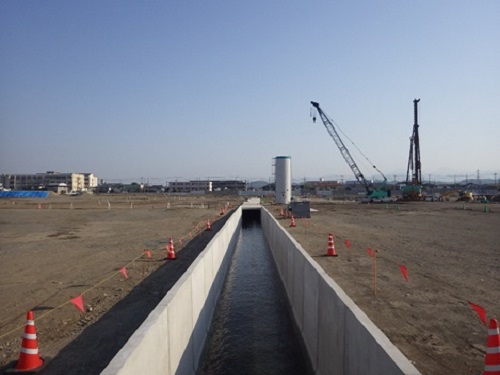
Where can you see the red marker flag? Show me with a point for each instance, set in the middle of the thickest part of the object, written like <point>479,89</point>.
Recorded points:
<point>404,271</point>
<point>148,253</point>
<point>370,252</point>
<point>78,302</point>
<point>123,270</point>
<point>480,311</point>
<point>347,244</point>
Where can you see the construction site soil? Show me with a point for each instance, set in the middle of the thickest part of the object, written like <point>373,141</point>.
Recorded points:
<point>53,250</point>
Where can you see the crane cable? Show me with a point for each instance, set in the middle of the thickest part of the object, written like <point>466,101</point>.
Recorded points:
<point>357,148</point>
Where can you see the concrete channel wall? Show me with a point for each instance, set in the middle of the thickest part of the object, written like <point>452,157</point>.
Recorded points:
<point>338,335</point>
<point>171,339</point>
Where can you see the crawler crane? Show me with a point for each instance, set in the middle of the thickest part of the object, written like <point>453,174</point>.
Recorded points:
<point>372,193</point>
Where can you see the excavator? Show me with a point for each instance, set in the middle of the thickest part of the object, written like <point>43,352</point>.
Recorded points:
<point>372,194</point>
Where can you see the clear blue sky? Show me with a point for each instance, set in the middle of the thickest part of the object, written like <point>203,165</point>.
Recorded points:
<point>166,90</point>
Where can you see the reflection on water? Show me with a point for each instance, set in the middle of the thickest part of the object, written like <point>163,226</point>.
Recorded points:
<point>253,331</point>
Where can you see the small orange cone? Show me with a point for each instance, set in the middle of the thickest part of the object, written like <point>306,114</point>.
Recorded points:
<point>331,247</point>
<point>209,226</point>
<point>292,222</point>
<point>28,357</point>
<point>282,212</point>
<point>492,359</point>
<point>170,250</point>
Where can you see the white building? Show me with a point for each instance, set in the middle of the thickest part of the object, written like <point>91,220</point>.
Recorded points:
<point>90,181</point>
<point>49,181</point>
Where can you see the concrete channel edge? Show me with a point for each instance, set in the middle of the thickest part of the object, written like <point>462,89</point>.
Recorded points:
<point>338,336</point>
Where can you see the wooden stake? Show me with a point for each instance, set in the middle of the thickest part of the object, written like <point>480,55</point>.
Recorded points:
<point>375,272</point>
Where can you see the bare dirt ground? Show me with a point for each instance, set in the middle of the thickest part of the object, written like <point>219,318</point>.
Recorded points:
<point>54,249</point>
<point>452,256</point>
<point>74,245</point>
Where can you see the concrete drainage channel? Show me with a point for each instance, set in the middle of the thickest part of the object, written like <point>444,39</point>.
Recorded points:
<point>253,330</point>
<point>339,338</point>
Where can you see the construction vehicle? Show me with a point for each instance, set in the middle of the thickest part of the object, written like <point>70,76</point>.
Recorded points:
<point>372,194</point>
<point>413,189</point>
<point>465,196</point>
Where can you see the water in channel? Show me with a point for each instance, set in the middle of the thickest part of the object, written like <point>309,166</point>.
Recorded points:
<point>252,331</point>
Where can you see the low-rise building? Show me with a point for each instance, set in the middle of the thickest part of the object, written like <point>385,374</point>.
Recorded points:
<point>90,181</point>
<point>233,185</point>
<point>190,186</point>
<point>49,181</point>
<point>206,186</point>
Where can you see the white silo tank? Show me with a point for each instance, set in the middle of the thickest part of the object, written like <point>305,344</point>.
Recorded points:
<point>283,182</point>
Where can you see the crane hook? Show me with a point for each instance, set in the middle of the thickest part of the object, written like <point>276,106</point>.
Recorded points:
<point>312,113</point>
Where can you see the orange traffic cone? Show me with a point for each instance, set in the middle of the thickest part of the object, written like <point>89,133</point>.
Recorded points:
<point>209,226</point>
<point>292,222</point>
<point>170,250</point>
<point>282,212</point>
<point>29,359</point>
<point>331,247</point>
<point>492,359</point>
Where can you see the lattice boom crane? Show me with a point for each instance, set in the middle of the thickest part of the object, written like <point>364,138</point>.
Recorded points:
<point>382,193</point>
